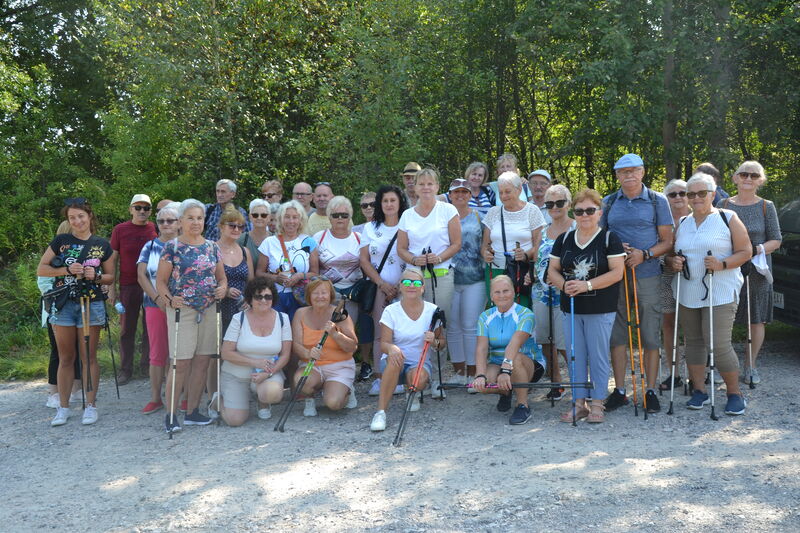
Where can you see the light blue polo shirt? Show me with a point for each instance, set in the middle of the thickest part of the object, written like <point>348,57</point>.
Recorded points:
<point>499,327</point>
<point>636,222</point>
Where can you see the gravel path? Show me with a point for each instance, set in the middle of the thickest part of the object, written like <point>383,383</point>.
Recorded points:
<point>461,467</point>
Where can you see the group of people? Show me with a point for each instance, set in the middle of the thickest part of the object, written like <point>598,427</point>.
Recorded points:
<point>496,277</point>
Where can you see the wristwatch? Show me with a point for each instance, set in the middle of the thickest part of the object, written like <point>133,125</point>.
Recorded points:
<point>589,286</point>
<point>508,362</point>
<point>505,371</point>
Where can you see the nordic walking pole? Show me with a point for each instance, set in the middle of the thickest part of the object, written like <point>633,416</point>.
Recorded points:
<point>711,335</point>
<point>523,385</point>
<point>572,355</point>
<point>443,324</point>
<point>218,357</point>
<point>415,385</point>
<point>553,351</point>
<point>174,372</point>
<point>630,341</point>
<point>338,315</point>
<point>749,329</point>
<point>111,349</point>
<point>674,342</point>
<point>639,339</point>
<point>430,269</point>
<point>85,312</point>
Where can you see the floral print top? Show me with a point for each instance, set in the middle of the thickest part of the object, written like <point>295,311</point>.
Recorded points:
<point>193,268</point>
<point>540,289</point>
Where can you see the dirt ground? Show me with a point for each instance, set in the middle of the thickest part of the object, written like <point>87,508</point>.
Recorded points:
<point>461,467</point>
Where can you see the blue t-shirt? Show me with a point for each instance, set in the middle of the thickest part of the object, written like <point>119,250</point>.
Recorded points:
<point>499,328</point>
<point>636,222</point>
<point>150,255</point>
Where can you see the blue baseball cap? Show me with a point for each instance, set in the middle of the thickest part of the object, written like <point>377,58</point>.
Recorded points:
<point>628,160</point>
<point>541,172</point>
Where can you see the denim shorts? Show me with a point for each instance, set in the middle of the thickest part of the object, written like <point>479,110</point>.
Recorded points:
<point>70,315</point>
<point>427,366</point>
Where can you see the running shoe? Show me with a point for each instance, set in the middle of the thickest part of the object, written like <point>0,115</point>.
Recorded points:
<point>265,413</point>
<point>471,390</point>
<point>718,379</point>
<point>213,414</point>
<point>754,377</point>
<point>89,415</point>
<point>175,426</point>
<point>414,403</point>
<point>521,414</point>
<point>310,407</point>
<point>436,392</point>
<point>615,400</point>
<point>736,405</point>
<point>400,389</point>
<point>653,406</point>
<point>76,397</point>
<point>504,402</point>
<point>698,400</point>
<point>375,389</point>
<point>366,372</point>
<point>378,421</point>
<point>183,407</point>
<point>555,394</point>
<point>196,419</point>
<point>352,401</point>
<point>62,414</point>
<point>53,401</point>
<point>746,374</point>
<point>152,407</point>
<point>665,385</point>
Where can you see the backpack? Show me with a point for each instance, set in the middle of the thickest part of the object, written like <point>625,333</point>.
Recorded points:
<point>651,194</point>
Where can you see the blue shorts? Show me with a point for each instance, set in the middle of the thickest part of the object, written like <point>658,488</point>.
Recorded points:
<point>70,315</point>
<point>428,367</point>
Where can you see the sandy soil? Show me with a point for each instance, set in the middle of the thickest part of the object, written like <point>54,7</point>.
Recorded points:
<point>461,467</point>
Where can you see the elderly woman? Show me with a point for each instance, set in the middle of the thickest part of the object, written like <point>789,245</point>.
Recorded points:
<point>272,192</point>
<point>365,326</point>
<point>506,350</point>
<point>761,220</point>
<point>380,261</point>
<point>190,277</point>
<point>260,213</point>
<point>586,264</point>
<point>286,258</point>
<point>404,331</point>
<point>237,261</point>
<point>482,197</point>
<point>80,262</point>
<point>512,230</point>
<point>154,305</point>
<point>711,240</point>
<point>334,371</point>
<point>546,300</point>
<point>675,191</point>
<point>255,350</point>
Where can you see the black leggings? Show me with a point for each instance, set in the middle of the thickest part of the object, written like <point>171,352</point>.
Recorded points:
<point>52,368</point>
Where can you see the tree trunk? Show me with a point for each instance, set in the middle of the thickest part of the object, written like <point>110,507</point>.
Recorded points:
<point>669,125</point>
<point>720,82</point>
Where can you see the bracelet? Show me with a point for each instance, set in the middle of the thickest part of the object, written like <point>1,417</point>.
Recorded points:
<point>480,376</point>
<point>724,265</point>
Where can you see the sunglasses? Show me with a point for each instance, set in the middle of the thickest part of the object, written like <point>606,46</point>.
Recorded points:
<point>144,208</point>
<point>301,194</point>
<point>239,227</point>
<point>749,175</point>
<point>676,194</point>
<point>259,215</point>
<point>317,184</point>
<point>557,203</point>
<point>75,201</point>
<point>165,221</point>
<point>262,297</point>
<point>411,283</point>
<point>268,194</point>
<point>368,205</point>
<point>589,211</point>
<point>701,194</point>
<point>340,215</point>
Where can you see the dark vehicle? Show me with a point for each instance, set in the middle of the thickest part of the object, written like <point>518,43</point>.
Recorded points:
<point>786,266</point>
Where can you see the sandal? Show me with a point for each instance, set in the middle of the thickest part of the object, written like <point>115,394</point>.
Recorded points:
<point>580,414</point>
<point>596,415</point>
<point>665,385</point>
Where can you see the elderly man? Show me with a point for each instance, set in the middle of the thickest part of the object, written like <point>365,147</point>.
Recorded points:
<point>539,181</point>
<point>641,218</point>
<point>409,175</point>
<point>318,220</point>
<point>127,241</point>
<point>302,193</point>
<point>226,192</point>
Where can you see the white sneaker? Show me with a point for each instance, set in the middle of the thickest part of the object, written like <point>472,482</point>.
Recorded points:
<point>436,392</point>
<point>75,397</point>
<point>414,403</point>
<point>89,415</point>
<point>213,413</point>
<point>352,402</point>
<point>53,401</point>
<point>375,389</point>
<point>310,408</point>
<point>754,377</point>
<point>62,414</point>
<point>265,413</point>
<point>378,421</point>
<point>470,390</point>
<point>718,379</point>
<point>400,389</point>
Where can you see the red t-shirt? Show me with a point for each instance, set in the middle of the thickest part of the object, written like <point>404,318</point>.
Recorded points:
<point>128,239</point>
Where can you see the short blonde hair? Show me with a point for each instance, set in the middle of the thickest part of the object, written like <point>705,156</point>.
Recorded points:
<point>477,164</point>
<point>297,206</point>
<point>591,195</point>
<point>558,189</point>
<point>501,277</point>
<point>316,282</point>
<point>753,166</point>
<point>338,201</point>
<point>231,214</point>
<point>427,173</point>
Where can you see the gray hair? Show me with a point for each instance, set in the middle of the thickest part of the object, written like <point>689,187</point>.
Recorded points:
<point>225,181</point>
<point>258,202</point>
<point>558,188</point>
<point>297,206</point>
<point>510,178</point>
<point>337,202</point>
<point>753,166</point>
<point>273,208</point>
<point>172,207</point>
<point>189,203</point>
<point>680,183</point>
<point>702,177</point>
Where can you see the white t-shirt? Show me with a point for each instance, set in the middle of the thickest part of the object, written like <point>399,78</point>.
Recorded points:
<point>430,231</point>
<point>271,248</point>
<point>378,239</point>
<point>408,334</point>
<point>519,225</point>
<point>339,259</point>
<point>251,345</point>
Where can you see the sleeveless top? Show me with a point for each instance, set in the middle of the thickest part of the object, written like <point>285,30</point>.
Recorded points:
<point>331,352</point>
<point>237,279</point>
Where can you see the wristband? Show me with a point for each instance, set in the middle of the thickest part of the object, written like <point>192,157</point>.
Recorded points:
<point>505,371</point>
<point>724,265</point>
<point>479,376</point>
<point>755,250</point>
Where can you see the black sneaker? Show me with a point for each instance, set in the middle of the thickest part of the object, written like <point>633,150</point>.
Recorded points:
<point>175,425</point>
<point>652,402</point>
<point>615,400</point>
<point>366,372</point>
<point>555,394</point>
<point>504,403</point>
<point>196,419</point>
<point>521,415</point>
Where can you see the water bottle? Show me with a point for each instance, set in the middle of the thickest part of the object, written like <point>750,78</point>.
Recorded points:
<point>119,307</point>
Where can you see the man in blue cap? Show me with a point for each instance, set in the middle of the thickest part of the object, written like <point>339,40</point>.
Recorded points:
<point>642,219</point>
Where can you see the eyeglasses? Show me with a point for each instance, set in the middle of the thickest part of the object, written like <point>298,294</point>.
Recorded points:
<point>144,208</point>
<point>368,205</point>
<point>317,184</point>
<point>749,175</point>
<point>340,215</point>
<point>557,203</point>
<point>239,227</point>
<point>262,297</point>
<point>301,194</point>
<point>411,282</point>
<point>259,215</point>
<point>165,221</point>
<point>589,211</point>
<point>269,194</point>
<point>75,201</point>
<point>701,194</point>
<point>676,194</point>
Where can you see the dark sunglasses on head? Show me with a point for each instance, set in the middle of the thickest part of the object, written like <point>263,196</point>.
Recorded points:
<point>263,297</point>
<point>167,220</point>
<point>589,211</point>
<point>142,207</point>
<point>259,215</point>
<point>317,184</point>
<point>368,205</point>
<point>750,175</point>
<point>557,203</point>
<point>75,201</point>
<point>231,225</point>
<point>701,194</point>
<point>411,282</point>
<point>675,194</point>
<point>340,215</point>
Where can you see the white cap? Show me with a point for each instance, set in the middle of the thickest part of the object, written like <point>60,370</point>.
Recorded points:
<point>141,198</point>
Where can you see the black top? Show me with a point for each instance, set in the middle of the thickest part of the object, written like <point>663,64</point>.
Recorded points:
<point>91,252</point>
<point>585,263</point>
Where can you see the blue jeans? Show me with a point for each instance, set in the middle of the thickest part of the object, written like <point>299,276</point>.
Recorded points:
<point>70,315</point>
<point>592,335</point>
